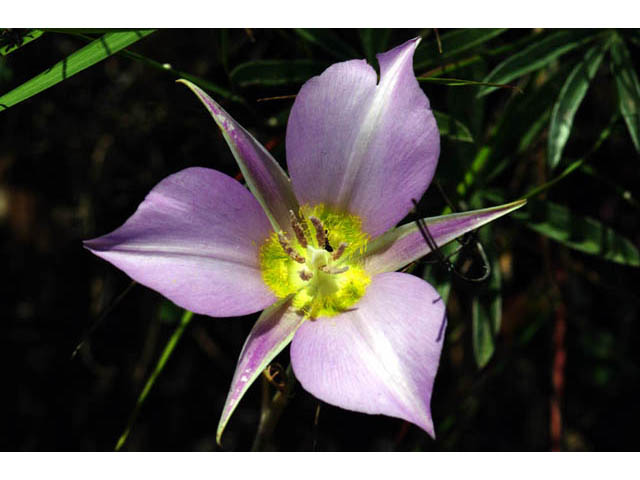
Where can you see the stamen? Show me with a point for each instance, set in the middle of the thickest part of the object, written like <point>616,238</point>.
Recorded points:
<point>286,246</point>
<point>332,270</point>
<point>338,253</point>
<point>320,235</point>
<point>305,274</point>
<point>297,229</point>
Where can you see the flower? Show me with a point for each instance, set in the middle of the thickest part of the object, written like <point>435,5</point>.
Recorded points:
<point>318,252</point>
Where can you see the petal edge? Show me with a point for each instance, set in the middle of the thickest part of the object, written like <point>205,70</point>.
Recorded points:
<point>400,246</point>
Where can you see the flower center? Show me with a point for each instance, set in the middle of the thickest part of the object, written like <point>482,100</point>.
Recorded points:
<point>320,264</point>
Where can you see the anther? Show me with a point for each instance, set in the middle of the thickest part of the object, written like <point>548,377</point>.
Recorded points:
<point>297,229</point>
<point>333,271</point>
<point>305,274</point>
<point>338,253</point>
<point>320,235</point>
<point>286,246</point>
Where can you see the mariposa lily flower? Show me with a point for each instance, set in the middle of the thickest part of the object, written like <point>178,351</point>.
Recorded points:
<point>317,251</point>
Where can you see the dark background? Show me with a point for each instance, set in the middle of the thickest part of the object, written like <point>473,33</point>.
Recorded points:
<point>77,159</point>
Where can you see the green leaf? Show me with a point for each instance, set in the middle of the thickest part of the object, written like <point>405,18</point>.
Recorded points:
<point>329,41</point>
<point>374,40</point>
<point>573,166</point>
<point>580,233</point>
<point>486,311</point>
<point>536,56</point>
<point>275,72</point>
<point>452,128</point>
<point>27,38</point>
<point>87,56</point>
<point>454,42</point>
<point>571,96</point>
<point>199,81</point>
<point>522,122</point>
<point>628,89</point>
<point>461,82</point>
<point>162,361</point>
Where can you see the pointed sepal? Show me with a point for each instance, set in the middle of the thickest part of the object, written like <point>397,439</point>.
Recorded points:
<point>265,178</point>
<point>272,332</point>
<point>400,246</point>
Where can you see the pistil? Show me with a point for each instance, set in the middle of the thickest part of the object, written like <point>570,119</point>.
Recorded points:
<point>324,279</point>
<point>333,270</point>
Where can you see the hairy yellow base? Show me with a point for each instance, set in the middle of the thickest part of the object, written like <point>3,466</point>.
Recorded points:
<point>324,294</point>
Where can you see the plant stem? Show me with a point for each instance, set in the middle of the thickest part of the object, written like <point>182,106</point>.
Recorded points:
<point>272,410</point>
<point>168,350</point>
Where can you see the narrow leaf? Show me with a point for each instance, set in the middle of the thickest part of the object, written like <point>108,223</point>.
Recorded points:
<point>167,68</point>
<point>486,312</point>
<point>452,128</point>
<point>628,89</point>
<point>523,121</point>
<point>199,81</point>
<point>580,233</point>
<point>571,96</point>
<point>536,56</point>
<point>275,72</point>
<point>374,40</point>
<point>454,42</point>
<point>25,39</point>
<point>460,82</point>
<point>329,41</point>
<point>87,56</point>
<point>162,361</point>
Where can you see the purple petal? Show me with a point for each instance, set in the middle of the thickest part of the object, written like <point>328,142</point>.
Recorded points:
<point>400,246</point>
<point>364,148</point>
<point>380,357</point>
<point>195,239</point>
<point>272,332</point>
<point>264,177</point>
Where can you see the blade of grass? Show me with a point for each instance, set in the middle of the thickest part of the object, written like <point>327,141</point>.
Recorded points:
<point>165,67</point>
<point>452,128</point>
<point>166,353</point>
<point>453,43</point>
<point>628,89</point>
<point>581,233</point>
<point>201,82</point>
<point>374,40</point>
<point>459,82</point>
<point>87,56</point>
<point>26,39</point>
<point>456,64</point>
<point>486,312</point>
<point>275,72</point>
<point>536,56</point>
<point>606,132</point>
<point>329,41</point>
<point>571,96</point>
<point>624,193</point>
<point>522,123</point>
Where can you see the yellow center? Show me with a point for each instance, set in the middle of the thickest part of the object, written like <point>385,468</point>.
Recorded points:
<point>319,263</point>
